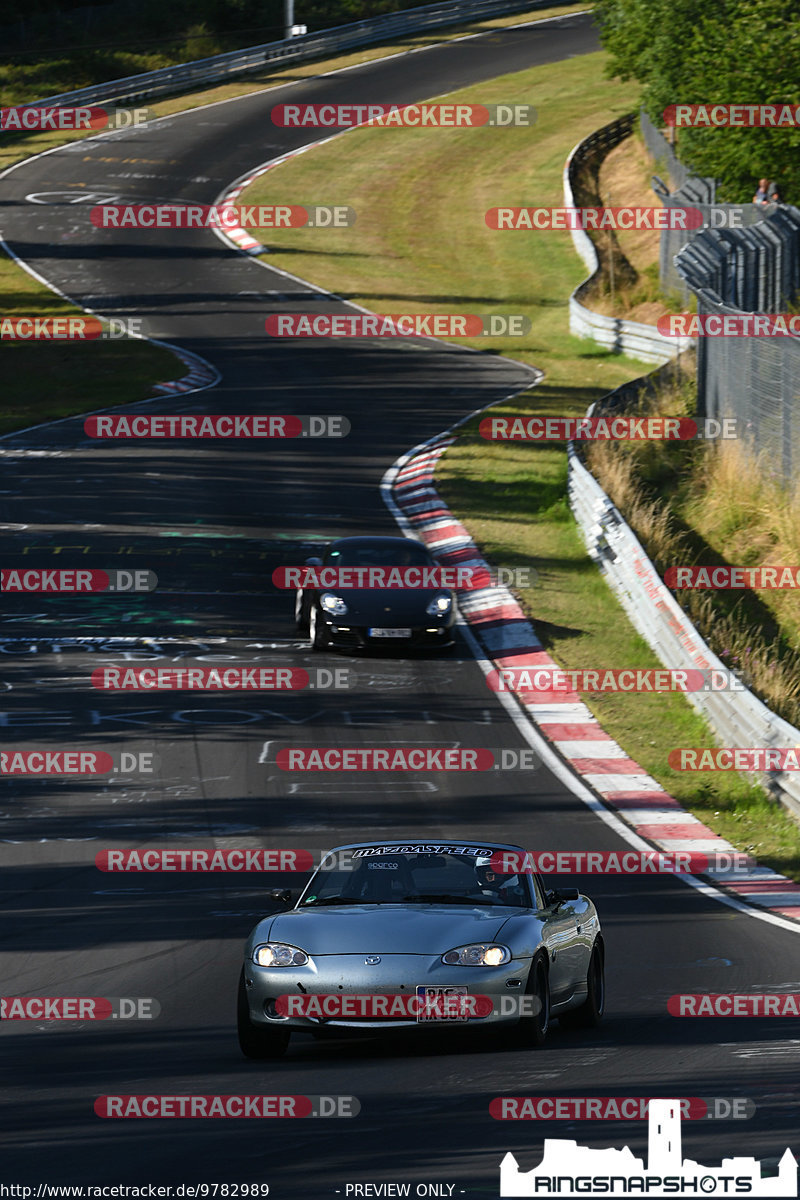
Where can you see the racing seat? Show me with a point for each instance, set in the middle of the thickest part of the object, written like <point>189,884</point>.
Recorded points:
<point>381,880</point>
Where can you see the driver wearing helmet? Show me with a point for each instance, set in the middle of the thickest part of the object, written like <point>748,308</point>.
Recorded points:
<point>492,882</point>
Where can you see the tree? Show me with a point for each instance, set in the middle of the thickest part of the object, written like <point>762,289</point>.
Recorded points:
<point>715,52</point>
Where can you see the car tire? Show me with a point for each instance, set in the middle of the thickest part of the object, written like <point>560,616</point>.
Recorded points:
<point>300,611</point>
<point>255,1042</point>
<point>532,1030</point>
<point>315,631</point>
<point>590,1013</point>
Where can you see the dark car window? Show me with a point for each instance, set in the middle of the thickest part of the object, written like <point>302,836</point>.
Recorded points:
<point>414,878</point>
<point>366,554</point>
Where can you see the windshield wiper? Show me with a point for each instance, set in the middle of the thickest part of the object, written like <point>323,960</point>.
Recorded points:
<point>441,898</point>
<point>332,900</point>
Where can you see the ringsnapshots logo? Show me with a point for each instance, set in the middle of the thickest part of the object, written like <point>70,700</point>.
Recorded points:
<point>226,216</point>
<point>75,581</point>
<point>603,429</point>
<point>406,116</point>
<point>570,1170</point>
<point>370,325</point>
<point>207,425</point>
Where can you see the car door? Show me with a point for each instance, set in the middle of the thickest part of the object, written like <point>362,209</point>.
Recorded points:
<point>564,938</point>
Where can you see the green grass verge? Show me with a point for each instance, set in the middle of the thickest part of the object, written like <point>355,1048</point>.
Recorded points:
<point>23,86</point>
<point>43,381</point>
<point>49,380</point>
<point>420,245</point>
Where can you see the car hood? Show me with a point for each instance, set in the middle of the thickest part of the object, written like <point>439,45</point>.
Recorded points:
<point>387,928</point>
<point>394,606</point>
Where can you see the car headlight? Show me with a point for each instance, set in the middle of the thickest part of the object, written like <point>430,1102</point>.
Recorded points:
<point>334,605</point>
<point>278,954</point>
<point>439,606</point>
<point>478,954</point>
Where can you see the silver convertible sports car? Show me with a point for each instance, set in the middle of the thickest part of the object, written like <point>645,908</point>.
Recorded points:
<point>415,934</point>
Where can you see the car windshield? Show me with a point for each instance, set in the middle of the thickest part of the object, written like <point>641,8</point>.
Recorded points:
<point>400,553</point>
<point>383,875</point>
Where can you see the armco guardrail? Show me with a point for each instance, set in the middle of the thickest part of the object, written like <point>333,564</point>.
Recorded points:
<point>640,341</point>
<point>180,78</point>
<point>737,719</point>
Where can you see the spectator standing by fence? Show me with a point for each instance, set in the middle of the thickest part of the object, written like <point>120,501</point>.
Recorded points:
<point>761,198</point>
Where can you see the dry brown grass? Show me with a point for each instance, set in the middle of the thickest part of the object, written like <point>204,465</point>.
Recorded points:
<point>724,506</point>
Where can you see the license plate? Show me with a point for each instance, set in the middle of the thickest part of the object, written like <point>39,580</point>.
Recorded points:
<point>388,633</point>
<point>441,1003</point>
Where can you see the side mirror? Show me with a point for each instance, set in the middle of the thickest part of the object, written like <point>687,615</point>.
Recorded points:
<point>280,895</point>
<point>562,896</point>
<point>314,562</point>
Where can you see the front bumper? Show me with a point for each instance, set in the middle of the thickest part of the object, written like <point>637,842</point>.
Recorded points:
<point>345,975</point>
<point>356,637</point>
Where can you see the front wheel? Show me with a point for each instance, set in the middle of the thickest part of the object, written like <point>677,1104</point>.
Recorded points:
<point>315,632</point>
<point>533,1028</point>
<point>255,1042</point>
<point>590,1013</point>
<point>300,612</point>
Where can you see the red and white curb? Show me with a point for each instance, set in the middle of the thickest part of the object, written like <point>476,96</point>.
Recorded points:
<point>509,640</point>
<point>200,375</point>
<point>241,238</point>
